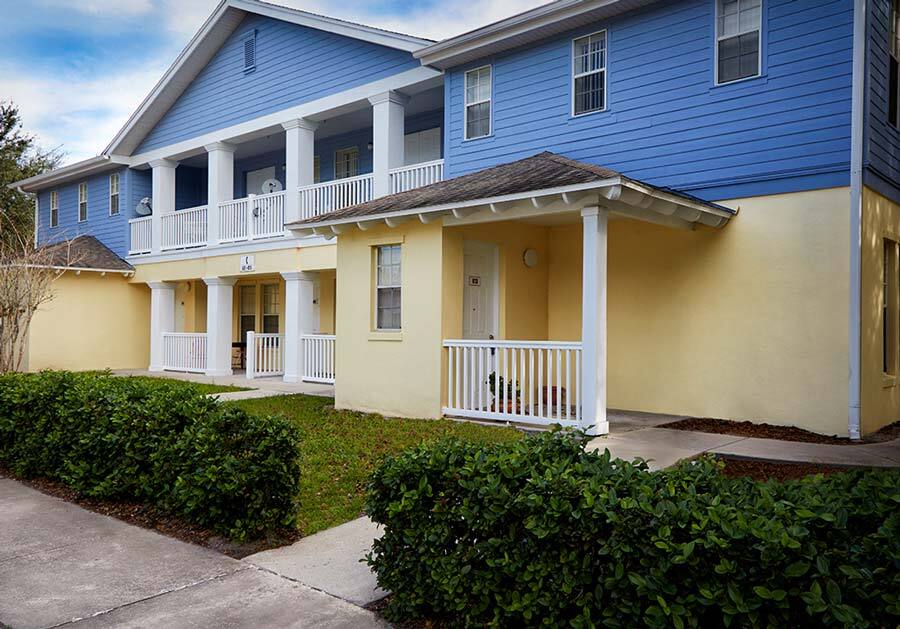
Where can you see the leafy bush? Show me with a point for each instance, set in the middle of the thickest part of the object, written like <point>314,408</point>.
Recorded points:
<point>153,441</point>
<point>541,532</point>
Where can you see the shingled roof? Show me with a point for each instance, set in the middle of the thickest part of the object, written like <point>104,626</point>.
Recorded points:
<point>86,252</point>
<point>544,171</point>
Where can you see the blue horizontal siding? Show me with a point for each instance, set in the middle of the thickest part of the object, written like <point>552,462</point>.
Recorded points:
<point>882,139</point>
<point>294,64</point>
<point>666,122</point>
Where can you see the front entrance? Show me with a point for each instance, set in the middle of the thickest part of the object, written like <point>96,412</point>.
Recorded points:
<point>481,303</point>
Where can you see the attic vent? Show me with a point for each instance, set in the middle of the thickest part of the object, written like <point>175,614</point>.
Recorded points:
<point>250,51</point>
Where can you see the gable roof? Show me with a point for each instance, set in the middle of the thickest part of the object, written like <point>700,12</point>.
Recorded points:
<point>207,41</point>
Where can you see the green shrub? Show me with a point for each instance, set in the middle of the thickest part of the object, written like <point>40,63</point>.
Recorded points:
<point>153,441</point>
<point>540,532</point>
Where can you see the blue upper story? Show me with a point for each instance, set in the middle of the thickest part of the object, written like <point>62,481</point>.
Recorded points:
<point>666,121</point>
<point>882,136</point>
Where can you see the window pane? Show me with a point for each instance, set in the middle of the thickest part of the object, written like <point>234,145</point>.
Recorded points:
<point>478,120</point>
<point>270,299</point>
<point>739,57</point>
<point>114,204</point>
<point>248,300</point>
<point>894,93</point>
<point>247,324</point>
<point>270,324</point>
<point>589,93</point>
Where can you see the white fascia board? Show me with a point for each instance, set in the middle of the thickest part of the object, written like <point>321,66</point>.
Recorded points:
<point>77,269</point>
<point>84,168</point>
<point>319,106</point>
<point>678,199</point>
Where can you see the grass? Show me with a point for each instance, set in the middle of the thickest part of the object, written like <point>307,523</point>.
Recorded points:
<point>341,448</point>
<point>199,387</point>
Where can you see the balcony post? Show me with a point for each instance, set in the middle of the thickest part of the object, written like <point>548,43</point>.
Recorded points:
<point>299,317</point>
<point>299,159</point>
<point>163,198</point>
<point>593,320</point>
<point>162,320</point>
<point>220,185</point>
<point>220,291</point>
<point>388,113</point>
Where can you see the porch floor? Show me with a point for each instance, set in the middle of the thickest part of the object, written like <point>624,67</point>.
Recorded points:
<point>262,387</point>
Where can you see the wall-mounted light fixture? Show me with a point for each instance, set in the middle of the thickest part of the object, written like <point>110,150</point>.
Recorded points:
<point>530,258</point>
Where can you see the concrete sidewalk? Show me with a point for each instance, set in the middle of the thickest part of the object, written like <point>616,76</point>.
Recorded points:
<point>62,565</point>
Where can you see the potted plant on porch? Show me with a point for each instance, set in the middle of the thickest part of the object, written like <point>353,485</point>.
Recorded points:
<point>497,385</point>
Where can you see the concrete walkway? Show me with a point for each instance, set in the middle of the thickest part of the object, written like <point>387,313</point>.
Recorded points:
<point>61,565</point>
<point>259,387</point>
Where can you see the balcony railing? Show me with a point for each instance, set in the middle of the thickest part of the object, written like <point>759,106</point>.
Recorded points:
<point>265,355</point>
<point>252,217</point>
<point>329,196</point>
<point>184,352</point>
<point>141,235</point>
<point>184,229</point>
<point>318,357</point>
<point>416,176</point>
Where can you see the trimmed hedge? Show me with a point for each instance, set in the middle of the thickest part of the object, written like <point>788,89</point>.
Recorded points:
<point>153,441</point>
<point>540,532</point>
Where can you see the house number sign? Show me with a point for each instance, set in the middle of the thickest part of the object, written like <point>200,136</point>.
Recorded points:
<point>248,264</point>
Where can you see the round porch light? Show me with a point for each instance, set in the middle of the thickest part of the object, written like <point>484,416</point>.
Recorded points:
<point>530,258</point>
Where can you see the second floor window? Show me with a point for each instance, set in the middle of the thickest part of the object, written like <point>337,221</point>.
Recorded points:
<point>478,103</point>
<point>82,202</point>
<point>114,194</point>
<point>738,39</point>
<point>589,74</point>
<point>54,209</point>
<point>346,163</point>
<point>387,288</point>
<point>894,77</point>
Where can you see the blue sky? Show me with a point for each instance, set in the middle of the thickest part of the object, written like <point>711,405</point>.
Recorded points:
<point>78,68</point>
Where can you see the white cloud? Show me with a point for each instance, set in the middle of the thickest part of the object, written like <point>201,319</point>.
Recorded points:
<point>103,7</point>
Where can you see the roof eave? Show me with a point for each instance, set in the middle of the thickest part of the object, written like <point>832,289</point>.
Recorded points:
<point>61,175</point>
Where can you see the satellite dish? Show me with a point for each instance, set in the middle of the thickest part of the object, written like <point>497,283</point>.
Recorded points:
<point>144,207</point>
<point>271,185</point>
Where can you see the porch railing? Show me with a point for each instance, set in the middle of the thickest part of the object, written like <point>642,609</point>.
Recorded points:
<point>141,235</point>
<point>334,195</point>
<point>184,352</point>
<point>318,357</point>
<point>183,229</point>
<point>534,382</point>
<point>265,355</point>
<point>416,176</point>
<point>255,216</point>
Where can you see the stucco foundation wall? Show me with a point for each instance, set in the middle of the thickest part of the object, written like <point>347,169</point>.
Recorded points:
<point>880,395</point>
<point>93,322</point>
<point>748,322</point>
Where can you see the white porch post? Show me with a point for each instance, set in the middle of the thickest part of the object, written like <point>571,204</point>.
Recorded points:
<point>219,295</point>
<point>593,321</point>
<point>163,198</point>
<point>220,185</point>
<point>388,113</point>
<point>299,158</point>
<point>162,320</point>
<point>299,318</point>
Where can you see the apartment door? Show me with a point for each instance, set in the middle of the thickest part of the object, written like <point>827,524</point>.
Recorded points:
<point>480,308</point>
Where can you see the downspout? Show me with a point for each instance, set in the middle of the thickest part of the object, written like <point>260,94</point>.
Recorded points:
<point>857,112</point>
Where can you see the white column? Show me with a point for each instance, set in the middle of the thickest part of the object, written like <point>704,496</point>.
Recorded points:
<point>299,318</point>
<point>163,198</point>
<point>162,320</point>
<point>299,148</point>
<point>388,113</point>
<point>593,321</point>
<point>219,294</point>
<point>220,185</point>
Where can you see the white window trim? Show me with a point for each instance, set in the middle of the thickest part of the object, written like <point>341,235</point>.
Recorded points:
<point>82,186</point>
<point>378,286</point>
<point>719,38</point>
<point>117,194</point>
<point>605,72</point>
<point>54,208</point>
<point>467,104</point>
<point>345,150</point>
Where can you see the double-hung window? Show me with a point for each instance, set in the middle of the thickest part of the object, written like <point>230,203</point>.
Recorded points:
<point>890,309</point>
<point>346,163</point>
<point>387,287</point>
<point>247,311</point>
<point>271,307</point>
<point>114,194</point>
<point>738,29</point>
<point>478,103</point>
<point>54,208</point>
<point>589,74</point>
<point>82,202</point>
<point>894,77</point>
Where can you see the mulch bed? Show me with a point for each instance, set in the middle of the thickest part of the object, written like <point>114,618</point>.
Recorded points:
<point>769,431</point>
<point>770,470</point>
<point>149,517</point>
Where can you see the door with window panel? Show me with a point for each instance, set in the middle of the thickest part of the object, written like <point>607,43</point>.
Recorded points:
<point>271,317</point>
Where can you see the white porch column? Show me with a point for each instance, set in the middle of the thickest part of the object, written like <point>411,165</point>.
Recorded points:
<point>163,198</point>
<point>593,321</point>
<point>162,320</point>
<point>388,112</point>
<point>299,148</point>
<point>220,185</point>
<point>299,318</point>
<point>219,306</point>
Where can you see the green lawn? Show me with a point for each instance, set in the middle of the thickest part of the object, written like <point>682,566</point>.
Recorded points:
<point>341,448</point>
<point>199,387</point>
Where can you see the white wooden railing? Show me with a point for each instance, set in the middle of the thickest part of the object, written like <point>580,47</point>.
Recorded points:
<point>184,352</point>
<point>265,355</point>
<point>416,176</point>
<point>141,235</point>
<point>334,195</point>
<point>534,382</point>
<point>184,228</point>
<point>318,357</point>
<point>255,216</point>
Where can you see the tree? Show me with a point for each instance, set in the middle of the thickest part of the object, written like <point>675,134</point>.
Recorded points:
<point>20,158</point>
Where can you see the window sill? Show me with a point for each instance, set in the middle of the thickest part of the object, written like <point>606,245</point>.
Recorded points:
<point>762,79</point>
<point>480,137</point>
<point>888,381</point>
<point>379,335</point>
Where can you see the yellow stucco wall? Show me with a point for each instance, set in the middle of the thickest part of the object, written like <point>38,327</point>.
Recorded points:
<point>880,395</point>
<point>93,322</point>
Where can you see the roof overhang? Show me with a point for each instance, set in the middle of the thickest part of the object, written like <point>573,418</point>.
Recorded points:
<point>521,29</point>
<point>621,195</point>
<point>64,174</point>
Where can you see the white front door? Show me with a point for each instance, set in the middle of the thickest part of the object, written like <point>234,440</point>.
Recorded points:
<point>479,290</point>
